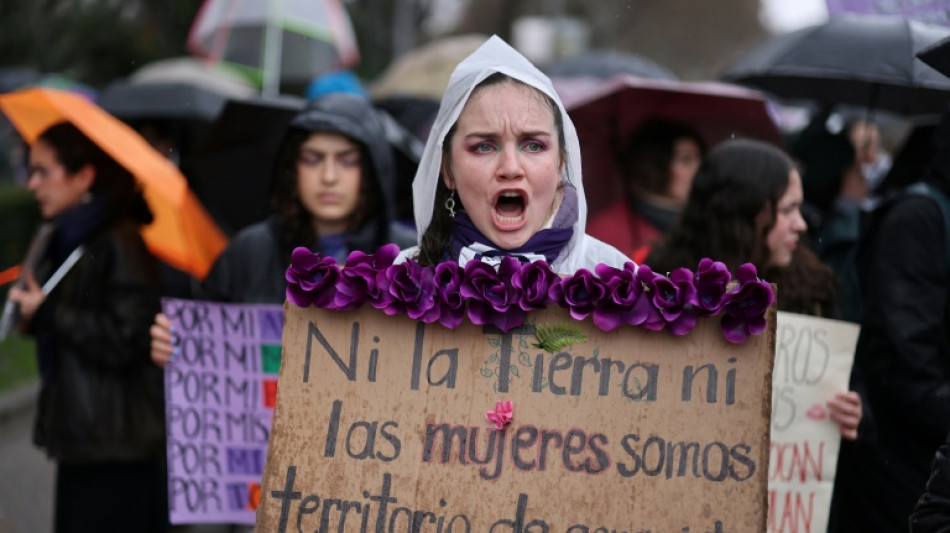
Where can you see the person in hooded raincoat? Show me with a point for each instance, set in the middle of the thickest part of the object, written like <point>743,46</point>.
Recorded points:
<point>332,192</point>
<point>501,171</point>
<point>317,202</point>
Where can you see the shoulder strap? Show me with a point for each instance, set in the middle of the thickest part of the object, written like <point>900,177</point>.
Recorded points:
<point>925,189</point>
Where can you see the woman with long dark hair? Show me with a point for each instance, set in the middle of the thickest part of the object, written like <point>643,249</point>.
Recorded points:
<point>100,414</point>
<point>744,206</point>
<point>332,192</point>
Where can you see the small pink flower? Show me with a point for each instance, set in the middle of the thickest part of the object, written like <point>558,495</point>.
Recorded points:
<point>502,414</point>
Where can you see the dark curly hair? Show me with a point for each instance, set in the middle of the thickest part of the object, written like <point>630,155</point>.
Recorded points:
<point>74,150</point>
<point>435,241</point>
<point>731,208</point>
<point>294,220</point>
<point>649,151</point>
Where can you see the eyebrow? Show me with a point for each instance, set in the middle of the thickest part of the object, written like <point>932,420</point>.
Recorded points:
<point>490,135</point>
<point>316,151</point>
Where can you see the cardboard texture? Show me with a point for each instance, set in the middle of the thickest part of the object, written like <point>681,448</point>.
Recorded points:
<point>381,425</point>
<point>813,358</point>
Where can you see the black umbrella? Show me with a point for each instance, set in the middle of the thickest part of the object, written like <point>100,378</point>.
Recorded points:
<point>135,101</point>
<point>231,170</point>
<point>604,64</point>
<point>937,56</point>
<point>866,61</point>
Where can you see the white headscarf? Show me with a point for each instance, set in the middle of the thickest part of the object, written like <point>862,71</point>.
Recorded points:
<point>495,55</point>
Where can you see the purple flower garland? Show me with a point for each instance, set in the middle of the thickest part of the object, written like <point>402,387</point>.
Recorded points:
<point>446,293</point>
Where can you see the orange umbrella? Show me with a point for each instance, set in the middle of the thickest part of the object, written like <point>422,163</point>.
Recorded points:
<point>182,234</point>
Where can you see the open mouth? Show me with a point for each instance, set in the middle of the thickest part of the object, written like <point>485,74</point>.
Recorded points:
<point>510,207</point>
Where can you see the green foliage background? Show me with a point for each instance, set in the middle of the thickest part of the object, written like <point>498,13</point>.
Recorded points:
<point>93,41</point>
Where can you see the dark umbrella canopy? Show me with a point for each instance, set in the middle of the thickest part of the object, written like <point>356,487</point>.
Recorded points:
<point>231,170</point>
<point>937,56</point>
<point>603,64</point>
<point>866,61</point>
<point>130,101</point>
<point>608,114</point>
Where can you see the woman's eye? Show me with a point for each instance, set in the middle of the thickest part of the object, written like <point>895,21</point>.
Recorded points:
<point>309,159</point>
<point>483,148</point>
<point>533,146</point>
<point>350,160</point>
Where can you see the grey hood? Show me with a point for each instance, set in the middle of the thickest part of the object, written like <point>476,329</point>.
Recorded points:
<point>356,118</point>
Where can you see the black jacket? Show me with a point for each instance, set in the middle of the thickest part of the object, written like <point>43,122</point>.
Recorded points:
<point>101,397</point>
<point>903,357</point>
<point>251,268</point>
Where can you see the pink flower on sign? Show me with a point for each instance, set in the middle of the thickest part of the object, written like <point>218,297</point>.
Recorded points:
<point>502,414</point>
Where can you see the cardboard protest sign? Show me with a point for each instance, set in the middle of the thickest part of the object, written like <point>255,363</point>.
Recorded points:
<point>813,358</point>
<point>381,426</point>
<point>220,395</point>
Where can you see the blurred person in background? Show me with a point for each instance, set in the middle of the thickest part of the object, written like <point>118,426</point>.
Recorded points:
<point>332,192</point>
<point>101,405</point>
<point>836,194</point>
<point>658,165</point>
<point>744,206</point>
<point>873,160</point>
<point>903,353</point>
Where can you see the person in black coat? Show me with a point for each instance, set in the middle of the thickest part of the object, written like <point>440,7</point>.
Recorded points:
<point>903,358</point>
<point>101,405</point>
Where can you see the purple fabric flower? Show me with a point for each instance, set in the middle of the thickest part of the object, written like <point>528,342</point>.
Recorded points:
<point>311,278</point>
<point>533,280</point>
<point>491,299</point>
<point>712,282</point>
<point>410,290</point>
<point>745,306</point>
<point>450,306</point>
<point>580,293</point>
<point>623,289</point>
<point>674,297</point>
<point>357,283</point>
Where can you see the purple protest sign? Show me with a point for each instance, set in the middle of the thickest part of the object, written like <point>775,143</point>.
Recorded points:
<point>220,393</point>
<point>930,11</point>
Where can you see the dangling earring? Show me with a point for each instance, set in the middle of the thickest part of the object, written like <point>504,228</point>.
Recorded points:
<point>86,197</point>
<point>450,204</point>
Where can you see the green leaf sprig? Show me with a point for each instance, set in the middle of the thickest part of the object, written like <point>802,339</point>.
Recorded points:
<point>556,337</point>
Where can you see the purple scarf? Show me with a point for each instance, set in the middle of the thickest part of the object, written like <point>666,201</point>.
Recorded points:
<point>469,243</point>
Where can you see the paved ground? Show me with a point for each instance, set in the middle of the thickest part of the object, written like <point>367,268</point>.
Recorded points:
<point>27,476</point>
<point>26,479</point>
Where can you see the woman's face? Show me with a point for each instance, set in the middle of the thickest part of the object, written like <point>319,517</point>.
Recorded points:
<point>789,224</point>
<point>328,180</point>
<point>55,189</point>
<point>505,163</point>
<point>687,157</point>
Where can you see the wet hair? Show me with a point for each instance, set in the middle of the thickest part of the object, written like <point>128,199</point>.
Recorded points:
<point>294,220</point>
<point>74,150</point>
<point>437,237</point>
<point>649,153</point>
<point>731,208</point>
